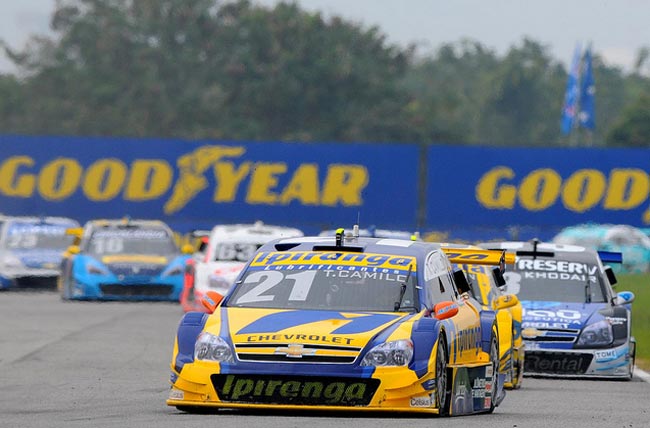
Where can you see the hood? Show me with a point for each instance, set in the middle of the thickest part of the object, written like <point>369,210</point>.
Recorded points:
<point>40,258</point>
<point>558,315</point>
<point>326,336</point>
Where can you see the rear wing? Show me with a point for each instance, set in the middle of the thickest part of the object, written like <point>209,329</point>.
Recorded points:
<point>610,257</point>
<point>479,257</point>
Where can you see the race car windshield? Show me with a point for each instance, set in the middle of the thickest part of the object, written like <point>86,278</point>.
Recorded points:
<point>554,280</point>
<point>330,289</point>
<point>131,241</point>
<point>28,236</point>
<point>233,252</point>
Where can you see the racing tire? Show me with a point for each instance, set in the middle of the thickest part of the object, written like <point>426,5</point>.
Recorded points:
<point>494,359</point>
<point>630,375</point>
<point>66,294</point>
<point>443,385</point>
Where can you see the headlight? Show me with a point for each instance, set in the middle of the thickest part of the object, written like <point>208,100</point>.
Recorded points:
<point>176,270</point>
<point>212,348</point>
<point>596,334</point>
<point>96,270</point>
<point>396,353</point>
<point>11,262</point>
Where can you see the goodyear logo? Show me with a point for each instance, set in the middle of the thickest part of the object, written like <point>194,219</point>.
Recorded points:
<point>317,258</point>
<point>108,179</point>
<point>583,190</point>
<point>295,390</point>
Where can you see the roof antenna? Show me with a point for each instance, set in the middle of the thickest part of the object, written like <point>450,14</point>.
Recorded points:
<point>535,242</point>
<point>355,228</point>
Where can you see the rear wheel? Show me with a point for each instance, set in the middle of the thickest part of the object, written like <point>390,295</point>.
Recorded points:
<point>443,385</point>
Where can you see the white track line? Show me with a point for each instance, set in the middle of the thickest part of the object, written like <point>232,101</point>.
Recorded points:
<point>643,375</point>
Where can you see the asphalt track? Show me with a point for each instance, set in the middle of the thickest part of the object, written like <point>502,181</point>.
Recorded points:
<point>82,364</point>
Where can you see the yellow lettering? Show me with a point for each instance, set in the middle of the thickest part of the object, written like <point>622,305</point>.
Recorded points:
<point>583,190</point>
<point>539,189</point>
<point>104,179</point>
<point>59,179</point>
<point>491,194</point>
<point>628,188</point>
<point>12,184</point>
<point>148,180</point>
<point>228,179</point>
<point>303,186</point>
<point>344,184</point>
<point>263,180</point>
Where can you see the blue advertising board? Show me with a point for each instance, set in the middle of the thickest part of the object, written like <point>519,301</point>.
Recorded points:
<point>537,190</point>
<point>202,183</point>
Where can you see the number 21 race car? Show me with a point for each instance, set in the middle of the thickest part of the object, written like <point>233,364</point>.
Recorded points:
<point>342,323</point>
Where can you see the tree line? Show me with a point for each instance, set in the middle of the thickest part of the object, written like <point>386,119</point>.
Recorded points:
<point>234,70</point>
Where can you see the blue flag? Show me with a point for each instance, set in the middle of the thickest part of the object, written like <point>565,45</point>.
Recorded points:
<point>570,108</point>
<point>587,115</point>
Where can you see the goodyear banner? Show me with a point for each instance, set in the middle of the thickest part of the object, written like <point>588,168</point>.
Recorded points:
<point>199,184</point>
<point>534,189</point>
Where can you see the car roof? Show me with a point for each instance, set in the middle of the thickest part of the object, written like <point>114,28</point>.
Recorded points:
<point>390,246</point>
<point>126,222</point>
<point>257,232</point>
<point>544,250</point>
<point>44,219</point>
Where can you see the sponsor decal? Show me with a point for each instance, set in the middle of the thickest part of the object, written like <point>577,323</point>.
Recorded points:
<point>323,260</point>
<point>176,394</point>
<point>583,190</point>
<point>424,401</point>
<point>295,390</point>
<point>131,233</point>
<point>616,320</point>
<point>550,316</point>
<point>606,355</point>
<point>261,338</point>
<point>236,180</point>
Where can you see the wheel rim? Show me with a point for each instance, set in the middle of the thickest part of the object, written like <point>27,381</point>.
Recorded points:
<point>441,376</point>
<point>494,356</point>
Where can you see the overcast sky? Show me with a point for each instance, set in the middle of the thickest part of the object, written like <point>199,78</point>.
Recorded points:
<point>616,28</point>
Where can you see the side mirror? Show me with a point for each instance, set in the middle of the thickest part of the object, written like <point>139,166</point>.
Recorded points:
<point>187,249</point>
<point>498,276</point>
<point>505,301</point>
<point>461,282</point>
<point>444,310</point>
<point>623,298</point>
<point>211,300</point>
<point>73,249</point>
<point>610,275</point>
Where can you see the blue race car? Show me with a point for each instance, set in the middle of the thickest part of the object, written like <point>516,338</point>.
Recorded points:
<point>574,324</point>
<point>123,260</point>
<point>31,249</point>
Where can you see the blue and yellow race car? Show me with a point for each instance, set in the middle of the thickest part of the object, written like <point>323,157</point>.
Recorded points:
<point>123,260</point>
<point>342,323</point>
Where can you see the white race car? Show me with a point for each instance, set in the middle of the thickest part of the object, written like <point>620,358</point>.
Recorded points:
<point>227,250</point>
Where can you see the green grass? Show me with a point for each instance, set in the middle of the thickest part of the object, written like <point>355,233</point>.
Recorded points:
<point>639,284</point>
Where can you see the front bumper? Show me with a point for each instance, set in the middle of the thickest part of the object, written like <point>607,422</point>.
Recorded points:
<point>615,362</point>
<point>29,278</point>
<point>143,289</point>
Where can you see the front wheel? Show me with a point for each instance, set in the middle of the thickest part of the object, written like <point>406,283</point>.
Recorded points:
<point>494,359</point>
<point>443,386</point>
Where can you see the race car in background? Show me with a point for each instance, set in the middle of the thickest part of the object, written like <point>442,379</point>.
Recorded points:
<point>31,249</point>
<point>224,252</point>
<point>342,323</point>
<point>574,324</point>
<point>123,259</point>
<point>484,283</point>
<point>632,242</point>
